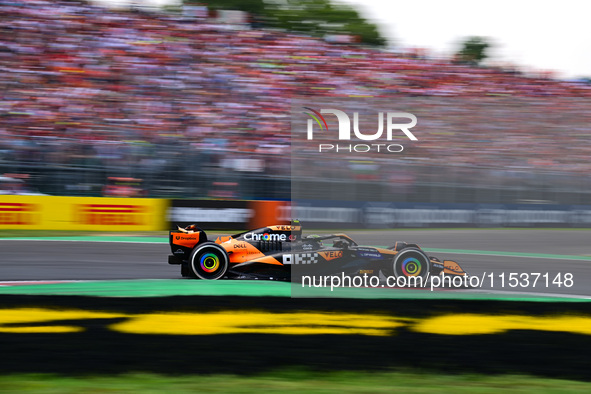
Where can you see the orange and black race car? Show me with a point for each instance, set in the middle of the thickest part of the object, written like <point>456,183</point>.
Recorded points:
<point>271,252</point>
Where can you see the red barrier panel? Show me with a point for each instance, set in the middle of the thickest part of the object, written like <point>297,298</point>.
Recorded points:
<point>266,213</point>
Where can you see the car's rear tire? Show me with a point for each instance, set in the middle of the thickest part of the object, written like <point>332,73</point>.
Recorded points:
<point>209,261</point>
<point>412,262</point>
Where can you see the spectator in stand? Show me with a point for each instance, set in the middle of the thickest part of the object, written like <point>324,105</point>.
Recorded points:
<point>110,85</point>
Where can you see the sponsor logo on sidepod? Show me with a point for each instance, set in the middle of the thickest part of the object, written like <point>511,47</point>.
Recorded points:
<point>265,237</point>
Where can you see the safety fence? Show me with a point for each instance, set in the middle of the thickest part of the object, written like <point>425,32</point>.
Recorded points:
<point>266,177</point>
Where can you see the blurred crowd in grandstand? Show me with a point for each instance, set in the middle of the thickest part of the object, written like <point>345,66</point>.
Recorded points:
<point>83,86</point>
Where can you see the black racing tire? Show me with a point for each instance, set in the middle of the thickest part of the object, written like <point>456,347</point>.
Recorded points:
<point>209,261</point>
<point>411,262</point>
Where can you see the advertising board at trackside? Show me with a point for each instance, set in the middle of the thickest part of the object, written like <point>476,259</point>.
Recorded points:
<point>145,214</point>
<point>82,213</point>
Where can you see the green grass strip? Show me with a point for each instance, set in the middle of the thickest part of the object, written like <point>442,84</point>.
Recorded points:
<point>295,381</point>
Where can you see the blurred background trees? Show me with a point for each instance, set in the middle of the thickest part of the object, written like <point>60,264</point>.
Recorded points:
<point>473,50</point>
<point>314,17</point>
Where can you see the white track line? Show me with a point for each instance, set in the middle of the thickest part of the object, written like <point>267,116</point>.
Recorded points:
<point>534,294</point>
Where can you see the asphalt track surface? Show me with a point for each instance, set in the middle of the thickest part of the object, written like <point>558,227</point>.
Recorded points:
<point>545,251</point>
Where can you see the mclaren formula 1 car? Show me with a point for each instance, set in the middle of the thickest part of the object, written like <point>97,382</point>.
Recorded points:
<point>271,252</point>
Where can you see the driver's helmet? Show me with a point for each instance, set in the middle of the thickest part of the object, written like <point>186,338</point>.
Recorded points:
<point>296,231</point>
<point>339,243</point>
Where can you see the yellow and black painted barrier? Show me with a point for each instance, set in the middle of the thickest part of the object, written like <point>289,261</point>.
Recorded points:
<point>251,334</point>
<point>82,213</point>
<point>131,214</point>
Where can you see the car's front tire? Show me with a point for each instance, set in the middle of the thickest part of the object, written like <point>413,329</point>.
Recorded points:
<point>209,261</point>
<point>412,262</point>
